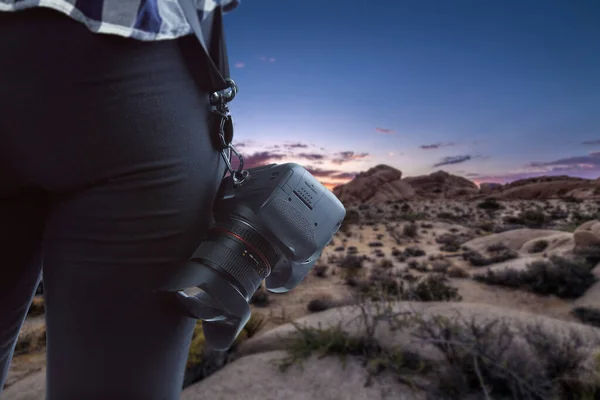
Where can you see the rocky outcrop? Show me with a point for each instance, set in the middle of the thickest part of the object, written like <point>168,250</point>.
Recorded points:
<point>550,187</point>
<point>383,183</point>
<point>587,235</point>
<point>377,185</point>
<point>441,185</point>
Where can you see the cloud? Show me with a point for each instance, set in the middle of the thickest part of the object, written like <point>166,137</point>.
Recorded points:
<point>330,168</point>
<point>592,160</point>
<point>453,160</point>
<point>436,146</point>
<point>267,59</point>
<point>591,142</point>
<point>347,156</point>
<point>586,166</point>
<point>385,130</point>
<point>239,65</point>
<point>296,146</point>
<point>330,173</point>
<point>261,158</point>
<point>311,156</point>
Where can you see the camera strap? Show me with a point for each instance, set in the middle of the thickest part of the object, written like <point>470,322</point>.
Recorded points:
<point>222,86</point>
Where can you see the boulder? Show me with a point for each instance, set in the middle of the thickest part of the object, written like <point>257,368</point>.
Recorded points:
<point>258,377</point>
<point>442,185</point>
<point>377,185</point>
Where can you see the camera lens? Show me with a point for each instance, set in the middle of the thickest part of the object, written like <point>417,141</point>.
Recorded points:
<point>240,253</point>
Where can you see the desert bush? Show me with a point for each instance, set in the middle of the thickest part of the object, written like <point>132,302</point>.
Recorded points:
<point>588,315</point>
<point>529,218</point>
<point>339,249</point>
<point>481,360</point>
<point>486,226</point>
<point>385,264</point>
<point>432,288</point>
<point>579,218</point>
<point>413,251</point>
<point>590,253</point>
<point>375,244</point>
<point>450,242</point>
<point>320,303</point>
<point>448,216</point>
<point>539,246</point>
<point>563,277</point>
<point>440,265</point>
<point>496,359</point>
<point>350,262</point>
<point>202,361</point>
<point>490,204</point>
<point>410,230</point>
<point>498,253</point>
<point>320,270</point>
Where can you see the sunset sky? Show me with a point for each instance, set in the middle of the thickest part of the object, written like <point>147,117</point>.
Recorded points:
<point>490,90</point>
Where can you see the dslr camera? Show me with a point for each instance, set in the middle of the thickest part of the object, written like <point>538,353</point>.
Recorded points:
<point>273,227</point>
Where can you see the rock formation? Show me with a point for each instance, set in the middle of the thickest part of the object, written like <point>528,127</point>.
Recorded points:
<point>441,185</point>
<point>377,185</point>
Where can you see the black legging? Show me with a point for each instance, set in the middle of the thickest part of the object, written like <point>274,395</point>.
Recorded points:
<point>107,179</point>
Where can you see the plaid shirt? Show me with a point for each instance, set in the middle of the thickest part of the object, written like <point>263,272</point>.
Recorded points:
<point>138,19</point>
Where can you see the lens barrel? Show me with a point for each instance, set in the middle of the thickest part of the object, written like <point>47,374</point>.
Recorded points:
<point>238,250</point>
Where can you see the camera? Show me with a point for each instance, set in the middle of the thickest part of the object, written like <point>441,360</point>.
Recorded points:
<point>272,228</point>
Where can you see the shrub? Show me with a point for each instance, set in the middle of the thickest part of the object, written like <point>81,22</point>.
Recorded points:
<point>320,303</point>
<point>480,359</point>
<point>320,270</point>
<point>499,253</point>
<point>563,277</point>
<point>351,261</point>
<point>202,361</point>
<point>432,288</point>
<point>590,253</point>
<point>588,315</point>
<point>529,218</point>
<point>449,242</point>
<point>386,264</point>
<point>375,244</point>
<point>413,251</point>
<point>490,204</point>
<point>539,246</point>
<point>410,230</point>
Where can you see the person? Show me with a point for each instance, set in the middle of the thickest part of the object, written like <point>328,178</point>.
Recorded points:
<point>108,174</point>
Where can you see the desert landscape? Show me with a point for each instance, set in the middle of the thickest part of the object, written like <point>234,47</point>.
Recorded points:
<point>434,288</point>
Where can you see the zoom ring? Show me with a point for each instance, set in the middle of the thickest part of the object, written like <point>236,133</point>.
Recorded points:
<point>224,258</point>
<point>255,240</point>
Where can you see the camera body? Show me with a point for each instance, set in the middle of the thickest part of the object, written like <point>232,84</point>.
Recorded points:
<point>273,228</point>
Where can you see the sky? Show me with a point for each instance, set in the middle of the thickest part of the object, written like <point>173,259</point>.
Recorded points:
<point>493,91</point>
